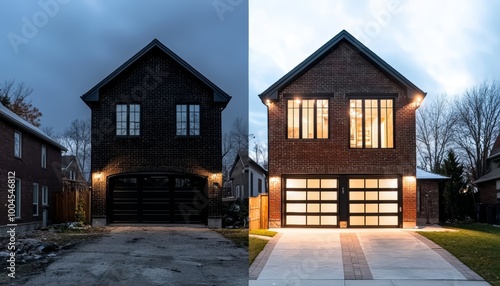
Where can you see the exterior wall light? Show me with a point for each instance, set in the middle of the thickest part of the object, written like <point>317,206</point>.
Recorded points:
<point>417,102</point>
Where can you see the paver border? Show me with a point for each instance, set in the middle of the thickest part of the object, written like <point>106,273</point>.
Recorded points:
<point>353,258</point>
<point>261,259</point>
<point>462,268</point>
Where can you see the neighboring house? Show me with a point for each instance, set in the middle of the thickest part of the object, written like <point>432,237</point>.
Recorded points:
<point>342,141</point>
<point>489,184</point>
<point>428,189</point>
<point>248,179</point>
<point>71,169</point>
<point>156,141</point>
<point>32,161</point>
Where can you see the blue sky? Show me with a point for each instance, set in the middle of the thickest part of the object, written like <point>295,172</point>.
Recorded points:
<point>62,48</point>
<point>441,46</point>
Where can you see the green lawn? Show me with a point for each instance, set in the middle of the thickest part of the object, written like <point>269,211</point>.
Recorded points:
<point>263,232</point>
<point>255,247</point>
<point>476,245</point>
<point>236,235</point>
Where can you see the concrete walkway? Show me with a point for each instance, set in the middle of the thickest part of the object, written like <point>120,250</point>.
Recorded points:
<point>382,257</point>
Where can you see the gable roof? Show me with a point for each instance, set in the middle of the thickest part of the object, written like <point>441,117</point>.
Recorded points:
<point>92,95</point>
<point>495,150</point>
<point>272,92</point>
<point>424,175</point>
<point>245,160</point>
<point>19,122</point>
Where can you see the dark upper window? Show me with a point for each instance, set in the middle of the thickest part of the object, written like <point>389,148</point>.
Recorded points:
<point>188,119</point>
<point>44,157</point>
<point>307,119</point>
<point>371,123</point>
<point>18,144</point>
<point>128,119</point>
<point>35,199</point>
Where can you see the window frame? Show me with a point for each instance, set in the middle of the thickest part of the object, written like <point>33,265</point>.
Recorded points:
<point>363,98</point>
<point>188,123</point>
<point>44,157</point>
<point>18,194</point>
<point>36,199</point>
<point>45,195</point>
<point>314,116</point>
<point>16,151</point>
<point>127,121</point>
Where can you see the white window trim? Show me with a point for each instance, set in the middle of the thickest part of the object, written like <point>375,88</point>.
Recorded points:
<point>45,195</point>
<point>20,144</point>
<point>44,157</point>
<point>18,198</point>
<point>35,196</point>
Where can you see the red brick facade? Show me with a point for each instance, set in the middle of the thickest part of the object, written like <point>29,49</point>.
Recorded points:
<point>29,170</point>
<point>342,71</point>
<point>157,82</point>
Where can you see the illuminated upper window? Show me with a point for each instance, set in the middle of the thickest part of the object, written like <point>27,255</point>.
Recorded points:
<point>371,123</point>
<point>307,119</point>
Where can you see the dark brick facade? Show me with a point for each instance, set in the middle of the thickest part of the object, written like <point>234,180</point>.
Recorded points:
<point>342,71</point>
<point>29,170</point>
<point>157,82</point>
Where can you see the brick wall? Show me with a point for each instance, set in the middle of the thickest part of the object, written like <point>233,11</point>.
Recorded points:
<point>341,72</point>
<point>28,169</point>
<point>157,83</point>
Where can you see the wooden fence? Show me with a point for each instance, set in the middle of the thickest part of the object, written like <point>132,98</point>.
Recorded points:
<point>259,212</point>
<point>66,202</point>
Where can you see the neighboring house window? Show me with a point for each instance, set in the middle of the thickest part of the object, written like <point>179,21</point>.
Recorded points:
<point>259,185</point>
<point>188,119</point>
<point>498,190</point>
<point>307,119</point>
<point>45,195</point>
<point>72,175</point>
<point>35,199</point>
<point>44,157</point>
<point>18,198</point>
<point>128,119</point>
<point>251,184</point>
<point>18,144</point>
<point>237,195</point>
<point>371,123</point>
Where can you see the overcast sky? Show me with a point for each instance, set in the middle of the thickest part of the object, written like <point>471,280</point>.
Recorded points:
<point>440,46</point>
<point>62,48</point>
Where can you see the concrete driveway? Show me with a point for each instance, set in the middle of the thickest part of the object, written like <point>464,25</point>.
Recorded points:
<point>357,257</point>
<point>150,255</point>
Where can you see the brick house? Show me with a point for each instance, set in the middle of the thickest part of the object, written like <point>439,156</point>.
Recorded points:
<point>429,187</point>
<point>36,160</point>
<point>71,169</point>
<point>156,140</point>
<point>489,184</point>
<point>341,135</point>
<point>247,178</point>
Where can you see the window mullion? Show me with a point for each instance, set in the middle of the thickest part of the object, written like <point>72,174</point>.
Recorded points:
<point>379,124</point>
<point>300,119</point>
<point>315,119</point>
<point>363,115</point>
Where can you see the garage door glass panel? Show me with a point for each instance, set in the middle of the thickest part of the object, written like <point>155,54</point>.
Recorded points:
<point>312,195</point>
<point>296,196</point>
<point>388,196</point>
<point>296,208</point>
<point>388,220</point>
<point>296,183</point>
<point>313,183</point>
<point>357,220</point>
<point>329,196</point>
<point>356,183</point>
<point>372,208</point>
<point>328,220</point>
<point>296,220</point>
<point>388,183</point>
<point>372,220</point>
<point>371,183</point>
<point>388,208</point>
<point>371,196</point>
<point>328,183</point>
<point>312,220</point>
<point>328,208</point>
<point>357,208</point>
<point>312,208</point>
<point>356,196</point>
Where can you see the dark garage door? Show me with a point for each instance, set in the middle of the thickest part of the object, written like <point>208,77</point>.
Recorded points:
<point>163,198</point>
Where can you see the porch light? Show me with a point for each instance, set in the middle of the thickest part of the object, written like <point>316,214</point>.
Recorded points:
<point>417,102</point>
<point>298,101</point>
<point>410,179</point>
<point>98,176</point>
<point>268,102</point>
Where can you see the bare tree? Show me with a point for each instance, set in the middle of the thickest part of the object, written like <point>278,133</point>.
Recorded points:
<point>435,132</point>
<point>76,138</point>
<point>236,140</point>
<point>478,115</point>
<point>49,131</point>
<point>15,97</point>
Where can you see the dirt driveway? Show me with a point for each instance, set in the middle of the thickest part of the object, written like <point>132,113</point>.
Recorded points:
<point>150,255</point>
